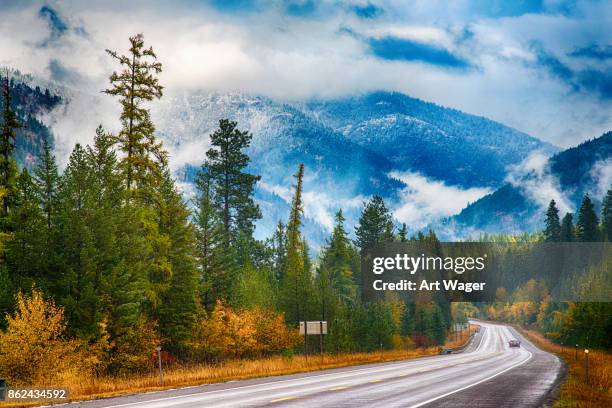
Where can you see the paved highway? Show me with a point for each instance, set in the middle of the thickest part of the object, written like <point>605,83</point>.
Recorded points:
<point>487,374</point>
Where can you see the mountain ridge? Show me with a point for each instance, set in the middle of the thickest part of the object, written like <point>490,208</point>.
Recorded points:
<point>511,206</point>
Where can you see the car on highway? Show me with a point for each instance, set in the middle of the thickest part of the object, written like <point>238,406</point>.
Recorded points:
<point>445,351</point>
<point>514,343</point>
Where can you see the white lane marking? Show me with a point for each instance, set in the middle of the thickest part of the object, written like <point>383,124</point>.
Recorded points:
<point>343,375</point>
<point>385,367</point>
<point>476,383</point>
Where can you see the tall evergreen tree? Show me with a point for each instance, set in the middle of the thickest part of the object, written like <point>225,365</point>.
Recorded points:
<point>296,286</point>
<point>137,83</point>
<point>586,226</point>
<point>25,248</point>
<point>179,306</point>
<point>336,286</point>
<point>567,228</point>
<point>606,216</point>
<point>403,233</point>
<point>47,178</point>
<point>8,169</point>
<point>375,224</point>
<point>105,190</point>
<point>335,265</point>
<point>144,271</point>
<point>76,286</point>
<point>552,232</point>
<point>279,248</point>
<point>215,280</point>
<point>226,162</point>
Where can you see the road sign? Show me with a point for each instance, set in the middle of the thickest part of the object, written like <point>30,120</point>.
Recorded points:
<point>314,327</point>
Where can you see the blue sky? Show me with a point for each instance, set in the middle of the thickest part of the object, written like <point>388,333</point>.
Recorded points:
<point>543,67</point>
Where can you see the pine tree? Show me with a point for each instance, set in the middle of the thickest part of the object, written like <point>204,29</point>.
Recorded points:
<point>25,248</point>
<point>215,280</point>
<point>8,168</point>
<point>279,248</point>
<point>46,177</point>
<point>552,232</point>
<point>403,233</point>
<point>106,181</point>
<point>78,252</point>
<point>606,216</point>
<point>375,224</point>
<point>179,306</point>
<point>567,228</point>
<point>296,286</point>
<point>225,164</point>
<point>128,282</point>
<point>105,190</point>
<point>144,157</point>
<point>335,262</point>
<point>586,227</point>
<point>335,282</point>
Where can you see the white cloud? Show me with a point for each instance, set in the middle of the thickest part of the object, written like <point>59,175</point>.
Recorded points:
<point>601,172</point>
<point>290,58</point>
<point>424,201</point>
<point>534,179</point>
<point>419,33</point>
<point>318,205</point>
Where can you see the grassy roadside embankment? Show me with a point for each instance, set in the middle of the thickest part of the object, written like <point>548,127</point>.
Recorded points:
<point>186,375</point>
<point>575,391</point>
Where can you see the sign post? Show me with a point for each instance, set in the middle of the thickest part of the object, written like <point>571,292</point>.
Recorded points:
<point>161,371</point>
<point>321,337</point>
<point>312,328</point>
<point>306,340</point>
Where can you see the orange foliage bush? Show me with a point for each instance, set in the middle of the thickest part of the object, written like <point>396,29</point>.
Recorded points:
<point>33,350</point>
<point>245,333</point>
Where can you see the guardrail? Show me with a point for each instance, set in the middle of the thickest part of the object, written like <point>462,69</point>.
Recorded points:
<point>464,345</point>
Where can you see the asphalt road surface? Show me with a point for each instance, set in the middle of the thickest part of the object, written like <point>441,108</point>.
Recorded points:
<point>487,374</point>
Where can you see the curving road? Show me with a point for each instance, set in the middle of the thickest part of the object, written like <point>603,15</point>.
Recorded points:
<point>487,374</point>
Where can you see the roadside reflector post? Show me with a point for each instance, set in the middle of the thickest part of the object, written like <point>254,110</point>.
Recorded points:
<point>586,364</point>
<point>161,370</point>
<point>576,354</point>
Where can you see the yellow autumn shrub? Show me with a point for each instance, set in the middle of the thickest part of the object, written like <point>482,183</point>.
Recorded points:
<point>228,333</point>
<point>34,350</point>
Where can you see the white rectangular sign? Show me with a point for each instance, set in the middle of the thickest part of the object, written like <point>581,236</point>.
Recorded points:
<point>314,327</point>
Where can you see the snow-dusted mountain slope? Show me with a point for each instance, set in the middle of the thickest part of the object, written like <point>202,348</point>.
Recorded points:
<point>349,147</point>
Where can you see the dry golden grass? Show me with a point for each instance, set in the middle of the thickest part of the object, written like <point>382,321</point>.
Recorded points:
<point>575,392</point>
<point>183,375</point>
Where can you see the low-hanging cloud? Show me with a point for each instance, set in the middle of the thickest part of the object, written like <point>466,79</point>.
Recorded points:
<point>532,176</point>
<point>319,206</point>
<point>601,174</point>
<point>424,201</point>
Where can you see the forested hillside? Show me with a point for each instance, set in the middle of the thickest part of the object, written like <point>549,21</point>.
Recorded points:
<point>512,208</point>
<point>442,143</point>
<point>30,102</point>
